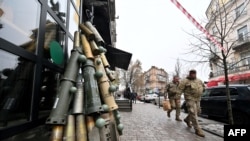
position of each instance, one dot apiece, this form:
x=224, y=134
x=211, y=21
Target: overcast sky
x=153, y=31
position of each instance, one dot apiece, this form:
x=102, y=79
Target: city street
x=148, y=122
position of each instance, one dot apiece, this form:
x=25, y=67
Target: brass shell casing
x=86, y=47
x=104, y=85
x=89, y=34
x=94, y=48
x=69, y=130
x=81, y=129
x=76, y=39
x=104, y=60
x=57, y=133
x=98, y=38
x=90, y=123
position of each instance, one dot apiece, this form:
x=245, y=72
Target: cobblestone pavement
x=148, y=122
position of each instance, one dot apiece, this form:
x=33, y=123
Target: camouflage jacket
x=192, y=88
x=172, y=91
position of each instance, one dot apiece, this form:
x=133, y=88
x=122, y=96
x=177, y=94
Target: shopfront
x=237, y=78
x=35, y=42
x=36, y=38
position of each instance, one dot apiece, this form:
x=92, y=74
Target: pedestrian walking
x=192, y=87
x=127, y=93
x=134, y=96
x=174, y=97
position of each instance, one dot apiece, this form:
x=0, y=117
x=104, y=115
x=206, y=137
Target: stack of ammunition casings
x=85, y=108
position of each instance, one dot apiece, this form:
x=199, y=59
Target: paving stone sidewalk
x=148, y=122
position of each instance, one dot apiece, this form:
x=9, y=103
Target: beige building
x=230, y=18
x=155, y=80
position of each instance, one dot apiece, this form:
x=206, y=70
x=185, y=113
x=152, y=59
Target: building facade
x=156, y=80
x=36, y=39
x=230, y=20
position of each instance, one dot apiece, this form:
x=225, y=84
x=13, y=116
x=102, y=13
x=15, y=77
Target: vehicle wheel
x=240, y=118
x=184, y=107
x=155, y=102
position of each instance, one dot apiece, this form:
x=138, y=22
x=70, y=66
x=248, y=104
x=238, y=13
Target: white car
x=141, y=97
x=150, y=97
x=157, y=101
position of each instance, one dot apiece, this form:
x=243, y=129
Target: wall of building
x=233, y=36
x=30, y=71
x=155, y=79
x=36, y=39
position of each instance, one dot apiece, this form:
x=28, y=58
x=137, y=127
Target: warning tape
x=190, y=17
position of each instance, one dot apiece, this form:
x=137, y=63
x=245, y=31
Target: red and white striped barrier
x=189, y=16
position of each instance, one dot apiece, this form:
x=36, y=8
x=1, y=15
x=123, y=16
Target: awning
x=118, y=58
x=231, y=78
x=240, y=77
x=212, y=83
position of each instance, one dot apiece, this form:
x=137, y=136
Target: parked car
x=141, y=97
x=158, y=99
x=214, y=102
x=184, y=107
x=149, y=97
x=182, y=99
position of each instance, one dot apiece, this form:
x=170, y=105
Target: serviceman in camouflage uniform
x=174, y=97
x=192, y=88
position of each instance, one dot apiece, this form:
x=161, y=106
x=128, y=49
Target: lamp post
x=156, y=90
x=159, y=101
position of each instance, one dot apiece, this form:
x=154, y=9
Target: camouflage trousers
x=175, y=104
x=193, y=108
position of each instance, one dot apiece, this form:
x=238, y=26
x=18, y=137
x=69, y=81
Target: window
x=222, y=92
x=206, y=93
x=19, y=19
x=214, y=30
x=50, y=83
x=240, y=10
x=70, y=46
x=245, y=56
x=214, y=48
x=242, y=33
x=33, y=51
x=161, y=78
x=74, y=20
x=77, y=3
x=218, y=92
x=233, y=64
x=54, y=41
x=233, y=91
x=230, y=65
x=59, y=7
x=16, y=79
x=244, y=91
x=218, y=69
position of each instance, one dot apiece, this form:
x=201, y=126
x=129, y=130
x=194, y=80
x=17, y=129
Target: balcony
x=161, y=78
x=213, y=57
x=147, y=78
x=242, y=42
x=236, y=69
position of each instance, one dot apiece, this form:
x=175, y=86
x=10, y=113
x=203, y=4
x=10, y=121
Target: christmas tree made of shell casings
x=85, y=108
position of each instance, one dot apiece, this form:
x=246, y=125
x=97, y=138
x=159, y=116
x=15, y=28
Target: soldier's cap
x=192, y=71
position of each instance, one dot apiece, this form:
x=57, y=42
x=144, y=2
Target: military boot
x=188, y=123
x=169, y=114
x=199, y=132
x=178, y=119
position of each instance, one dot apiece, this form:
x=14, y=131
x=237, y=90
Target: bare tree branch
x=224, y=23
x=178, y=68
